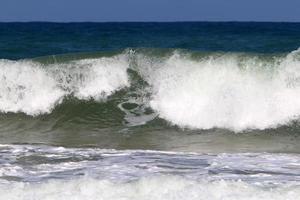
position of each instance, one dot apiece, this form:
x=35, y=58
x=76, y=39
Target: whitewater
x=226, y=90
x=92, y=173
x=189, y=110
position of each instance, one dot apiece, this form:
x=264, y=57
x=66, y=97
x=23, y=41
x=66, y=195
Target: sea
x=150, y=111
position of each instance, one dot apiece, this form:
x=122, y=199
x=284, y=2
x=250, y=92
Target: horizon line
x=183, y=21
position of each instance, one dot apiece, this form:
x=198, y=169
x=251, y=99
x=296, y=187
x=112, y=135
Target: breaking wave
x=33, y=88
x=188, y=89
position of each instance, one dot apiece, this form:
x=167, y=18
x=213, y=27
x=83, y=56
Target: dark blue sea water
x=27, y=40
x=191, y=110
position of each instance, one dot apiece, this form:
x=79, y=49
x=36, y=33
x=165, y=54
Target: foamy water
x=231, y=91
x=194, y=111
x=34, y=89
x=225, y=91
x=156, y=188
x=43, y=172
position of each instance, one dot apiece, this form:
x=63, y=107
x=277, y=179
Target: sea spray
x=33, y=88
x=232, y=91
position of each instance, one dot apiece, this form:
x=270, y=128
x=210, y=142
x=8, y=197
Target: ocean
x=183, y=110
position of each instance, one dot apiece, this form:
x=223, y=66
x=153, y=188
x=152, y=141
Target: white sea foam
x=156, y=188
x=34, y=89
x=227, y=91
x=231, y=91
x=41, y=163
x=26, y=87
x=33, y=172
x=93, y=78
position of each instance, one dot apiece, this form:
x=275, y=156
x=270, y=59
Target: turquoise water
x=111, y=110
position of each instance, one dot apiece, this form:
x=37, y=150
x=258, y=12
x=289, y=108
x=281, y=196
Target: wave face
x=43, y=172
x=188, y=89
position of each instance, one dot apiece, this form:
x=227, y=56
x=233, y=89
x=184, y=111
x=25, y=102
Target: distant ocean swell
x=192, y=90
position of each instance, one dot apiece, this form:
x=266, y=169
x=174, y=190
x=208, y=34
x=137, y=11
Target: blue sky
x=149, y=10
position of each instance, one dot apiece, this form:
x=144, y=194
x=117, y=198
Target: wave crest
x=202, y=91
x=235, y=92
x=33, y=88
